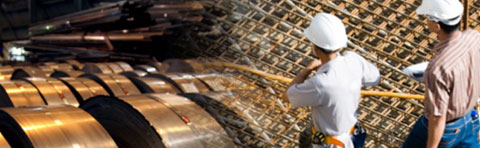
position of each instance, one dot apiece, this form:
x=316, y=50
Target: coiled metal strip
x=84, y=88
x=153, y=85
x=16, y=93
x=66, y=73
x=6, y=72
x=185, y=82
x=53, y=127
x=116, y=85
x=53, y=91
x=125, y=66
x=25, y=72
x=145, y=68
x=97, y=68
x=3, y=142
x=205, y=126
x=114, y=67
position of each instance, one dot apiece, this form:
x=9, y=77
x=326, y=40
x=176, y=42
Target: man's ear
x=437, y=27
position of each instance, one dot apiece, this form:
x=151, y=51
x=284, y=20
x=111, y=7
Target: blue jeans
x=461, y=133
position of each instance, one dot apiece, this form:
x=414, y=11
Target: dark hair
x=325, y=51
x=449, y=28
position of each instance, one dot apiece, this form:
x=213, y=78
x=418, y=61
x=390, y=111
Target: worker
x=334, y=91
x=452, y=81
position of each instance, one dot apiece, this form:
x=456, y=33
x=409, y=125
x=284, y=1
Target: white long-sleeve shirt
x=334, y=92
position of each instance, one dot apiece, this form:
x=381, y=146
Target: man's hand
x=436, y=126
x=314, y=65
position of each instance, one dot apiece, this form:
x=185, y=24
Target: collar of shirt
x=325, y=67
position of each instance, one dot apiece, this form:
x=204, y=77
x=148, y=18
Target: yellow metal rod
x=288, y=80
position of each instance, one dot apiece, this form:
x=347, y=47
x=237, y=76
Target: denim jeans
x=462, y=133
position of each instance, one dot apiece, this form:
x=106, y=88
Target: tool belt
x=320, y=138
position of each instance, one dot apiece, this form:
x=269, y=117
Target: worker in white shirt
x=334, y=91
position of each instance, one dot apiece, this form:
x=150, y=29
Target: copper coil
x=25, y=72
x=52, y=127
x=3, y=142
x=176, y=121
x=134, y=73
x=145, y=68
x=114, y=67
x=6, y=72
x=53, y=91
x=184, y=82
x=84, y=88
x=153, y=85
x=66, y=73
x=97, y=68
x=125, y=66
x=17, y=93
x=75, y=64
x=116, y=85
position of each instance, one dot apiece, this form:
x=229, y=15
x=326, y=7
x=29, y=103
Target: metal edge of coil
x=125, y=66
x=106, y=82
x=66, y=73
x=114, y=67
x=134, y=73
x=16, y=93
x=54, y=92
x=167, y=79
x=80, y=90
x=153, y=85
x=97, y=68
x=146, y=68
x=208, y=130
x=189, y=83
x=25, y=72
x=6, y=72
x=3, y=142
x=61, y=126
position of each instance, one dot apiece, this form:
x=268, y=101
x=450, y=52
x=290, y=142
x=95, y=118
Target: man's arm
x=436, y=126
x=302, y=76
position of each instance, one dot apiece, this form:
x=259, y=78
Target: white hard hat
x=448, y=12
x=327, y=31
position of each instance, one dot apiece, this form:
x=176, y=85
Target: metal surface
x=203, y=125
x=3, y=142
x=145, y=68
x=114, y=67
x=153, y=85
x=53, y=91
x=6, y=72
x=168, y=124
x=185, y=82
x=84, y=88
x=125, y=66
x=221, y=82
x=16, y=93
x=75, y=64
x=66, y=73
x=97, y=68
x=116, y=85
x=28, y=71
x=54, y=127
x=134, y=73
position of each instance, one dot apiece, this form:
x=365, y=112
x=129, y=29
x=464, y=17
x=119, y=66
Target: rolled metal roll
x=84, y=88
x=28, y=71
x=116, y=85
x=145, y=68
x=157, y=65
x=115, y=67
x=125, y=66
x=6, y=72
x=52, y=127
x=204, y=125
x=135, y=73
x=184, y=82
x=130, y=119
x=47, y=69
x=66, y=73
x=75, y=64
x=97, y=68
x=58, y=66
x=153, y=85
x=17, y=93
x=54, y=91
x=3, y=142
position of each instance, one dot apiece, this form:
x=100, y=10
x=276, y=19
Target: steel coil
x=134, y=73
x=116, y=85
x=125, y=66
x=75, y=64
x=17, y=93
x=3, y=142
x=130, y=119
x=53, y=91
x=6, y=72
x=114, y=67
x=84, y=88
x=153, y=85
x=25, y=72
x=97, y=68
x=52, y=127
x=66, y=73
x=145, y=68
x=184, y=82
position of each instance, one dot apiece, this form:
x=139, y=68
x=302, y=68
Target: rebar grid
x=268, y=34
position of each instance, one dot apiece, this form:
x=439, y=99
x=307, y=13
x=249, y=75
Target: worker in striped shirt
x=452, y=81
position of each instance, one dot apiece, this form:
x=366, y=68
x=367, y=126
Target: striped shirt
x=453, y=76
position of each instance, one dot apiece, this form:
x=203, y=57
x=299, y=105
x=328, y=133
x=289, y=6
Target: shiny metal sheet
x=97, y=68
x=85, y=87
x=3, y=142
x=53, y=91
x=67, y=73
x=154, y=85
x=146, y=68
x=117, y=85
x=125, y=66
x=25, y=72
x=60, y=127
x=134, y=73
x=75, y=64
x=128, y=87
x=205, y=126
x=188, y=83
x=6, y=72
x=114, y=67
x=169, y=125
x=20, y=93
